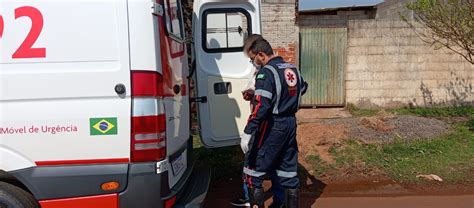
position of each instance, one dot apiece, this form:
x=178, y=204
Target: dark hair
x=261, y=45
x=249, y=41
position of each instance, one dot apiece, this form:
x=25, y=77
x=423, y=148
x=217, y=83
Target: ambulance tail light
x=148, y=136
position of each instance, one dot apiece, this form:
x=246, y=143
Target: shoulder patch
x=261, y=76
x=291, y=78
x=285, y=65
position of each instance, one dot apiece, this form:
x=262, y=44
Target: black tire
x=14, y=197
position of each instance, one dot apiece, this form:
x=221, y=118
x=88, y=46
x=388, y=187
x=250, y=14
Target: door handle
x=176, y=89
x=221, y=88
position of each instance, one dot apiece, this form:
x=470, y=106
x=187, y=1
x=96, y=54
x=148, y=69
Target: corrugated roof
x=329, y=10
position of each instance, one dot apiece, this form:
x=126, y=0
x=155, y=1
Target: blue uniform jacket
x=278, y=89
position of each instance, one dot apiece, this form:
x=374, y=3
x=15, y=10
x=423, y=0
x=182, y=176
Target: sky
x=318, y=4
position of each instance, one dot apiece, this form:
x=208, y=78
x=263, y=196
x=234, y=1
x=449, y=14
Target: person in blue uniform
x=248, y=94
x=269, y=142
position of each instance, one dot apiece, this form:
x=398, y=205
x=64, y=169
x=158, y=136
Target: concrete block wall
x=389, y=66
x=338, y=20
x=279, y=27
x=391, y=9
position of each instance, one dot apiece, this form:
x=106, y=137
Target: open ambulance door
x=222, y=70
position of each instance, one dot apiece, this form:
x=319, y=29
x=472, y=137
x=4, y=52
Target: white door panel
x=228, y=112
x=220, y=28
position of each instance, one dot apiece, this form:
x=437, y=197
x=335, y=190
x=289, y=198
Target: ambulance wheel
x=14, y=197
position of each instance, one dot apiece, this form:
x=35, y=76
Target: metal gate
x=322, y=63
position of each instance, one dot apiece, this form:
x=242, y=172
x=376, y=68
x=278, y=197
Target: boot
x=291, y=198
x=256, y=197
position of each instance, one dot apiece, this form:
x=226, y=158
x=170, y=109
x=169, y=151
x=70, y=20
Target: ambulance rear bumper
x=148, y=189
x=140, y=185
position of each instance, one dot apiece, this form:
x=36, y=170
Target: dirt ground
x=320, y=129
x=318, y=132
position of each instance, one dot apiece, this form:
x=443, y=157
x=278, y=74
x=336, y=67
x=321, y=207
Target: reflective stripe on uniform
x=301, y=88
x=277, y=86
x=264, y=93
x=285, y=174
x=253, y=172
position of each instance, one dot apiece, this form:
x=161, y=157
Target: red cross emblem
x=290, y=77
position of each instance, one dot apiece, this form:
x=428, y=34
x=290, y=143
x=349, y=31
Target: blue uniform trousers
x=273, y=148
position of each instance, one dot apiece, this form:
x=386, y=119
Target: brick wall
x=279, y=27
x=389, y=66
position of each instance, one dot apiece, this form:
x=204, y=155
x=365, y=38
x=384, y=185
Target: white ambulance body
x=95, y=105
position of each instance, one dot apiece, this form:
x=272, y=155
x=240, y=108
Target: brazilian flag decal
x=103, y=126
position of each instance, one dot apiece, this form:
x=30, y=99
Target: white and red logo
x=291, y=78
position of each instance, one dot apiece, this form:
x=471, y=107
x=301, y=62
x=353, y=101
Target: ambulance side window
x=225, y=30
x=174, y=19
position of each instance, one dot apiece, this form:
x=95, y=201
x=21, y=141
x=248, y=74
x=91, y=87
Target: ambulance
x=95, y=99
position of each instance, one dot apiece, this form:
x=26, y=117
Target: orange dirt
x=316, y=139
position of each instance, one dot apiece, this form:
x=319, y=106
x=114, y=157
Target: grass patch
x=470, y=124
x=451, y=157
x=436, y=112
x=225, y=162
x=319, y=165
x=358, y=112
x=347, y=156
x=463, y=111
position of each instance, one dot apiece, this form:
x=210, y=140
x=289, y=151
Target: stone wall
x=279, y=27
x=389, y=66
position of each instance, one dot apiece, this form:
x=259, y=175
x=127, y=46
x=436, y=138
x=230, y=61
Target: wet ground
x=362, y=195
x=393, y=202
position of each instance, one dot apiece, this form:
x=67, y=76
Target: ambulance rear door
x=222, y=70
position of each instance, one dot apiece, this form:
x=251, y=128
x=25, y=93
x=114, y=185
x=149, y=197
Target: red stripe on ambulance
x=82, y=162
x=102, y=201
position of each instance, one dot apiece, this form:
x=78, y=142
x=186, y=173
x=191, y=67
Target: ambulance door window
x=174, y=19
x=225, y=30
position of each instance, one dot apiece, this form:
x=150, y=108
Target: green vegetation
x=319, y=165
x=448, y=24
x=358, y=112
x=451, y=157
x=463, y=111
x=225, y=163
x=436, y=112
x=347, y=157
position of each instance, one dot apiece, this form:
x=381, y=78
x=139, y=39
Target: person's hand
x=248, y=94
x=244, y=142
